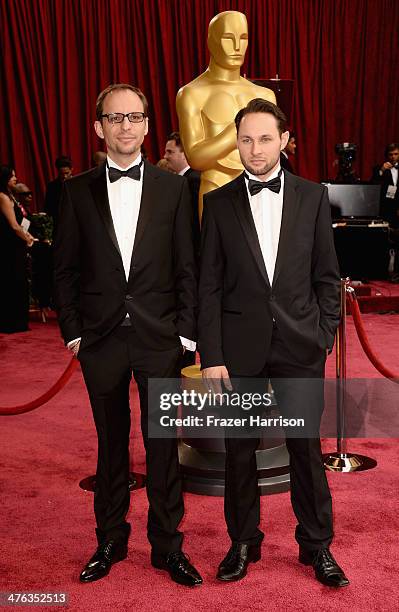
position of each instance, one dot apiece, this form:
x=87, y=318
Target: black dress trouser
x=107, y=368
x=310, y=494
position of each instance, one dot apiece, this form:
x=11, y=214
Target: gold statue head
x=228, y=39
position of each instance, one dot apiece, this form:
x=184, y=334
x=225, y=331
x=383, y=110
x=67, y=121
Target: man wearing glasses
x=126, y=296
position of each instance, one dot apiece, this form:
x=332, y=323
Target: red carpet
x=47, y=529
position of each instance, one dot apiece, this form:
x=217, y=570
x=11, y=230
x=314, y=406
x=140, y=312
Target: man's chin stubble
x=129, y=152
x=259, y=171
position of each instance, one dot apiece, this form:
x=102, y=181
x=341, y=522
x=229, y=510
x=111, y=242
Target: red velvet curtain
x=56, y=55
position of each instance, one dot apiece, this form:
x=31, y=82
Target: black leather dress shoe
x=327, y=570
x=106, y=555
x=178, y=566
x=234, y=565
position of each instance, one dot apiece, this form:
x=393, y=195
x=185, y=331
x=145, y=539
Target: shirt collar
x=183, y=172
x=269, y=178
x=136, y=162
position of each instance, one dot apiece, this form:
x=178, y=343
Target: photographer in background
x=386, y=175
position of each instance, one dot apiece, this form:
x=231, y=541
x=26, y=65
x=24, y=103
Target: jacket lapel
x=244, y=214
x=290, y=207
x=98, y=187
x=150, y=195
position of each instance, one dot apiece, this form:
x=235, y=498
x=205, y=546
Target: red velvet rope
x=66, y=375
x=361, y=332
x=45, y=397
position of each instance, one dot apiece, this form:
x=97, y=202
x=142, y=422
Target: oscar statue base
x=202, y=460
x=202, y=469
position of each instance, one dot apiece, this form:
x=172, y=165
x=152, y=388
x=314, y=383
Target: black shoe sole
x=332, y=584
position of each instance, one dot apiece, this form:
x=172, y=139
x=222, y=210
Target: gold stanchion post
x=342, y=461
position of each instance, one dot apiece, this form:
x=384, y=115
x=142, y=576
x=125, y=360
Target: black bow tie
x=257, y=186
x=134, y=173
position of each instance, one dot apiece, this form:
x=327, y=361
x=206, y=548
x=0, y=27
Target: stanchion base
x=136, y=481
x=347, y=462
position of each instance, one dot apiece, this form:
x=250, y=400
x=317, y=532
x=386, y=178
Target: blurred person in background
x=386, y=175
x=41, y=268
x=99, y=157
x=14, y=239
x=54, y=188
x=24, y=197
x=288, y=153
x=177, y=162
x=163, y=164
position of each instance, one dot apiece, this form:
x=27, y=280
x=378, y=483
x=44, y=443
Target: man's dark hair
x=391, y=147
x=115, y=87
x=5, y=175
x=176, y=137
x=259, y=105
x=63, y=161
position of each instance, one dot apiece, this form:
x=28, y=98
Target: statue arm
x=202, y=151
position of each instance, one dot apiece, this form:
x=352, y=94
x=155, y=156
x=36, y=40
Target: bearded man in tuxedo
x=269, y=308
x=126, y=297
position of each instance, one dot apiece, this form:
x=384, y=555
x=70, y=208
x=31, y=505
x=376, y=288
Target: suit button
x=129, y=297
x=272, y=298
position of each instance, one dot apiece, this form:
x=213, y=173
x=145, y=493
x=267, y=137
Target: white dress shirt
x=394, y=172
x=267, y=211
x=124, y=196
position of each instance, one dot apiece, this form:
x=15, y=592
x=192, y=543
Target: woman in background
x=14, y=300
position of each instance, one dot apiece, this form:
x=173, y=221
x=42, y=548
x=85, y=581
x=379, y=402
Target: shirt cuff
x=72, y=343
x=190, y=345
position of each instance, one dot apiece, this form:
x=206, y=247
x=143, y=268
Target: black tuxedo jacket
x=53, y=198
x=92, y=293
x=194, y=183
x=237, y=302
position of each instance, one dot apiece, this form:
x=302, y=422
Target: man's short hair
x=259, y=105
x=176, y=137
x=63, y=161
x=391, y=147
x=115, y=87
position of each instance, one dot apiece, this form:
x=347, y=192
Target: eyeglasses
x=119, y=117
x=25, y=193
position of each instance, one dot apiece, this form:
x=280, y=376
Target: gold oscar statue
x=206, y=107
